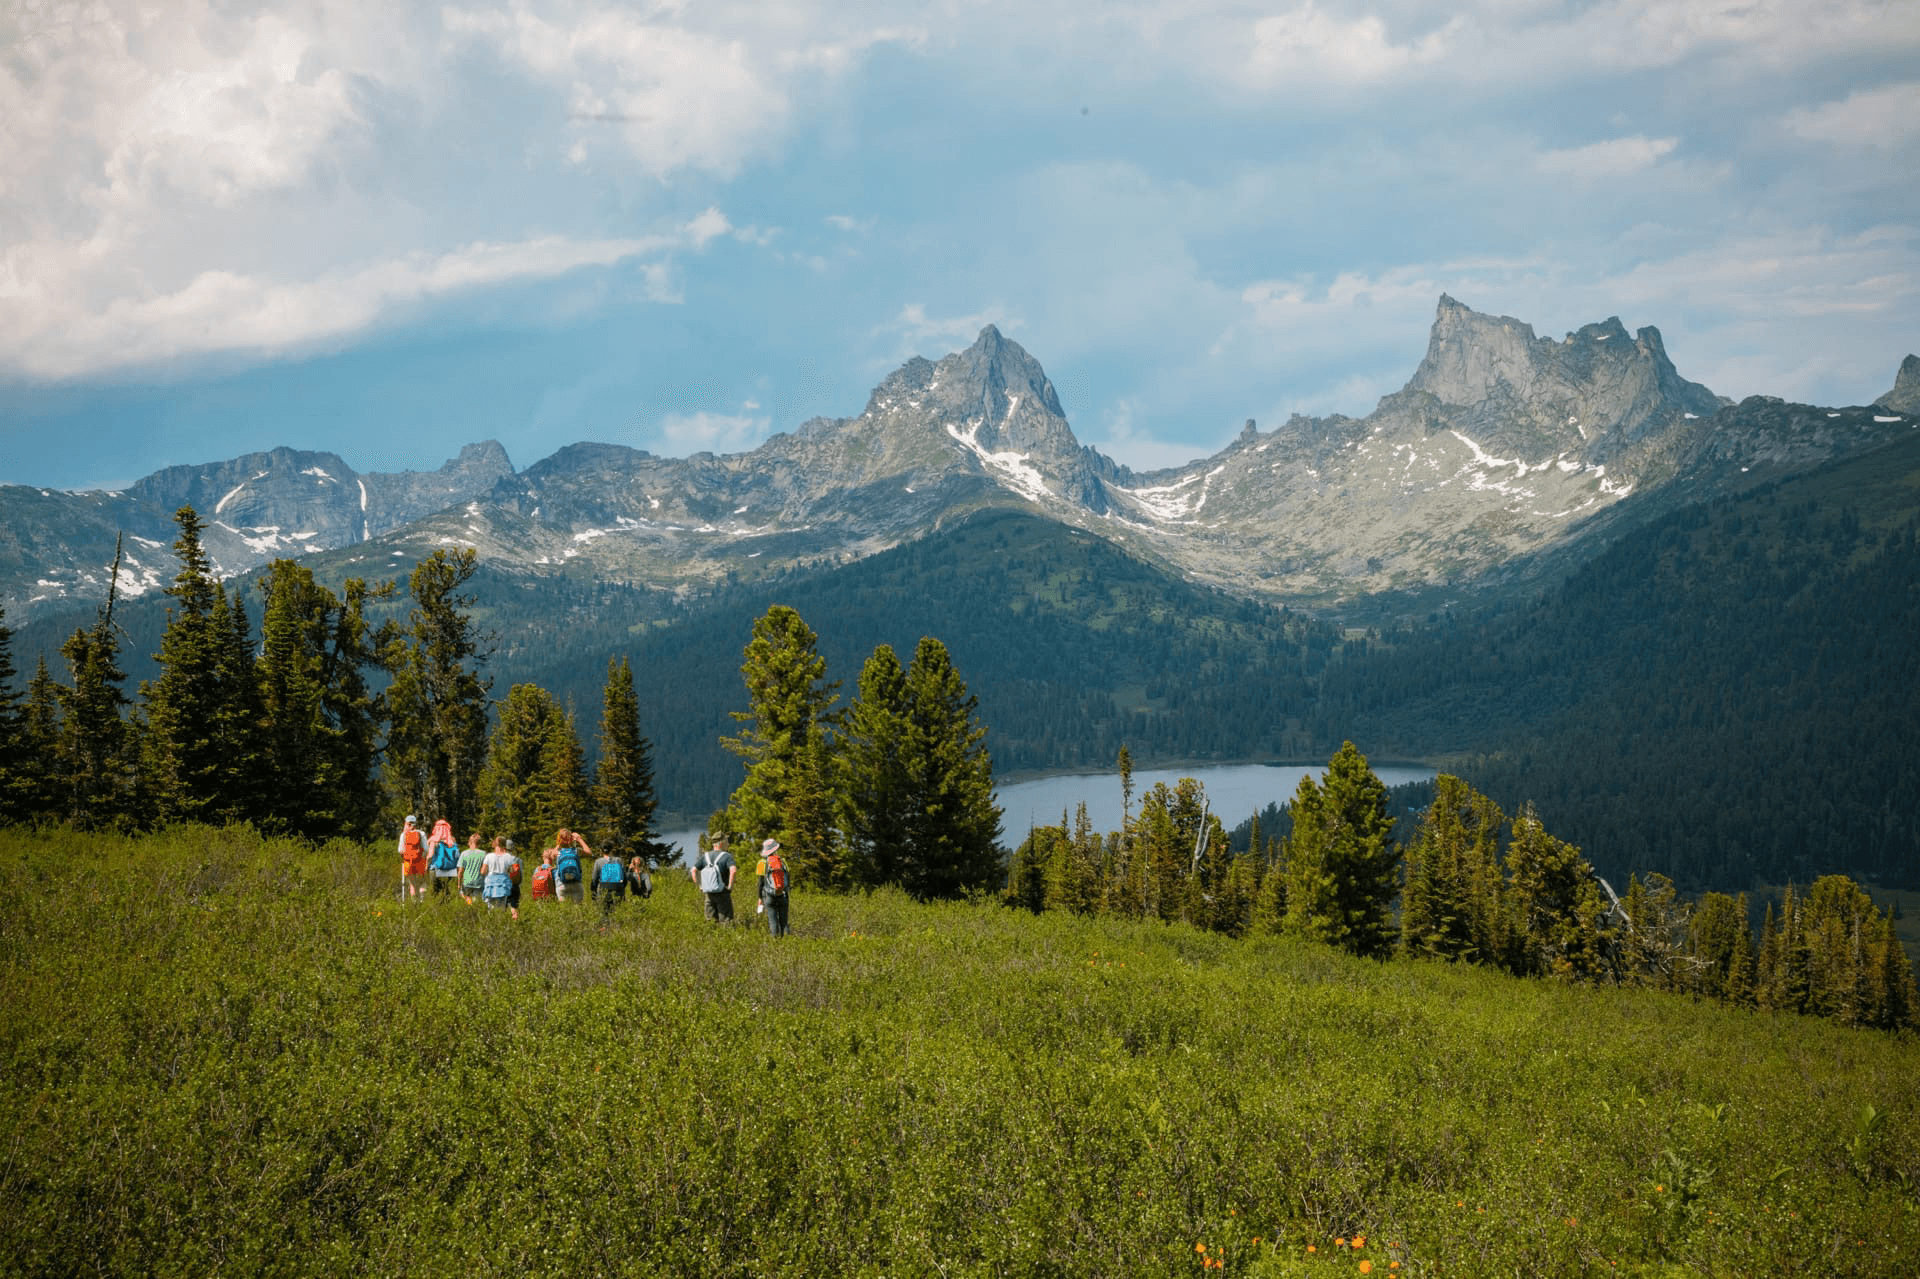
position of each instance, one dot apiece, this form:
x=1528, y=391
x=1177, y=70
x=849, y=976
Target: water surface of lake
x=1234, y=793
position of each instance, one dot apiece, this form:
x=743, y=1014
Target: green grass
x=227, y=1056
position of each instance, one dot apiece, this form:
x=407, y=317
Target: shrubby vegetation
x=236, y=1055
x=1470, y=886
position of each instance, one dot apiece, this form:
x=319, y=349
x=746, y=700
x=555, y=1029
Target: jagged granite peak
x=1592, y=395
x=1905, y=395
x=255, y=508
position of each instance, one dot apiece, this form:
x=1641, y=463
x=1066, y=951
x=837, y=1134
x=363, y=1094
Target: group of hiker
x=568, y=871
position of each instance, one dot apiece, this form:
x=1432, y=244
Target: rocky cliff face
x=1905, y=395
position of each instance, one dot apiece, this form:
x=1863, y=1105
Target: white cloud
x=916, y=326
x=1613, y=158
x=713, y=432
x=1310, y=43
x=1885, y=118
x=46, y=333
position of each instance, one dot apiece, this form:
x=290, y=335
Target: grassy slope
x=228, y=1057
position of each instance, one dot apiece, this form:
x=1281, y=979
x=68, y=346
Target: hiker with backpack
x=639, y=877
x=501, y=882
x=543, y=876
x=472, y=870
x=413, y=861
x=570, y=867
x=443, y=857
x=713, y=871
x=774, y=883
x=609, y=884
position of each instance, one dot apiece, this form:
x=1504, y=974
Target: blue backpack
x=612, y=874
x=446, y=856
x=569, y=867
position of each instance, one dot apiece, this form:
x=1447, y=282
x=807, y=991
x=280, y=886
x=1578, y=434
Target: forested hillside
x=1727, y=696
x=1730, y=695
x=1072, y=647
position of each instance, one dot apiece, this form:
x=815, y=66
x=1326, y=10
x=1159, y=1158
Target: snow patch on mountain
x=1012, y=469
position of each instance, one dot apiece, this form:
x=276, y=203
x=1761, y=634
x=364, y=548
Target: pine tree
x=320, y=732
x=812, y=847
x=1720, y=948
x=1312, y=904
x=437, y=702
x=184, y=750
x=787, y=702
x=1343, y=888
x=953, y=825
x=1451, y=905
x=1550, y=908
x=93, y=770
x=1027, y=868
x=14, y=784
x=874, y=778
x=239, y=714
x=39, y=746
x=623, y=795
x=1270, y=901
x=515, y=794
x=563, y=776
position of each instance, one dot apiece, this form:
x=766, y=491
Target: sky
x=387, y=230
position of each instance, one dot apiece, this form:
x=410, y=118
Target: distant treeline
x=1470, y=885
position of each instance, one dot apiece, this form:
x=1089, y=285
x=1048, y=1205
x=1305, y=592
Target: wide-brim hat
x=769, y=846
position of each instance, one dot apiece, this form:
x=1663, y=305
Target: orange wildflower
x=1366, y=1267
x=1199, y=1247
x=1359, y=1241
x=1340, y=1242
x=1311, y=1248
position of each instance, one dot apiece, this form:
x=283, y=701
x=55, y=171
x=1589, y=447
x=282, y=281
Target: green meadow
x=227, y=1055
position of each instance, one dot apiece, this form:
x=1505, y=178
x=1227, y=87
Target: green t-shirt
x=470, y=872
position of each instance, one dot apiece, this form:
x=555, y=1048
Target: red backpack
x=543, y=880
x=776, y=875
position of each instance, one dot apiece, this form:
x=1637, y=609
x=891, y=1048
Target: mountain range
x=1507, y=457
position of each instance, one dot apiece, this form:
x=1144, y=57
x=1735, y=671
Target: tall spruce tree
x=953, y=825
x=788, y=697
x=873, y=775
x=185, y=750
x=14, y=785
x=563, y=775
x=39, y=746
x=515, y=792
x=1720, y=949
x=437, y=702
x=1450, y=907
x=623, y=795
x=1342, y=888
x=94, y=768
x=320, y=731
x=1551, y=898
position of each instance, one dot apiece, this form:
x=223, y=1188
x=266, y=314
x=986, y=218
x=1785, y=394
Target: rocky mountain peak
x=1905, y=395
x=1593, y=394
